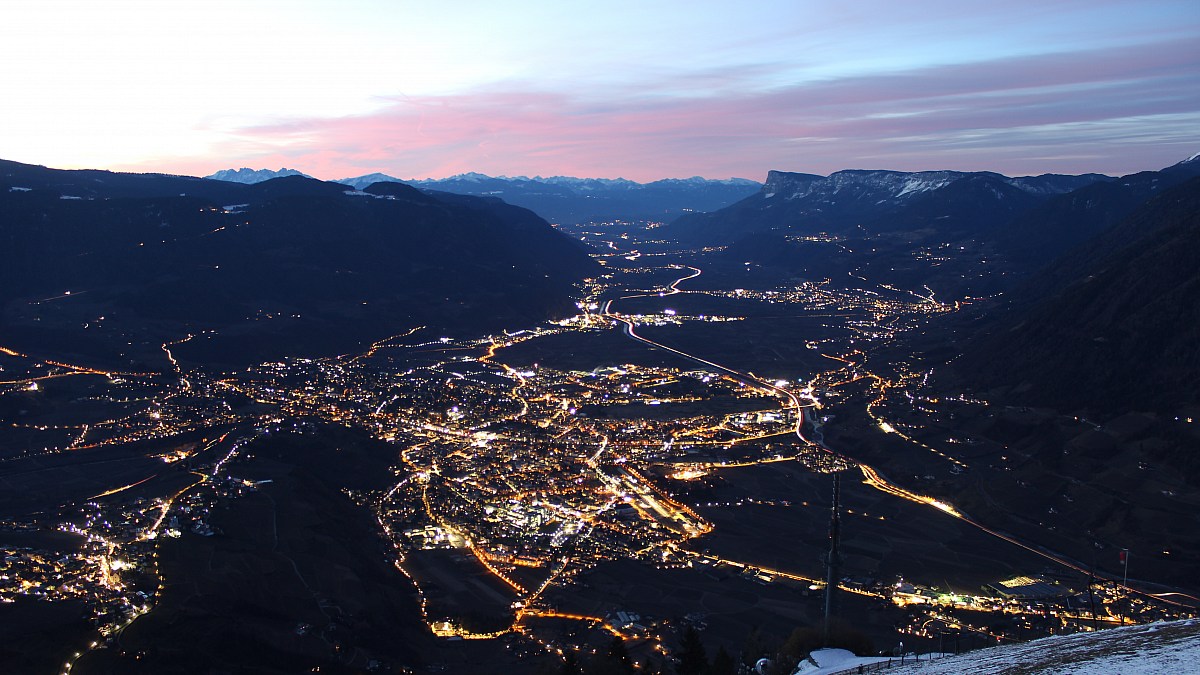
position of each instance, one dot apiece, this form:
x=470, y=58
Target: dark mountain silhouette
x=903, y=240
x=292, y=186
x=972, y=206
x=1089, y=368
x=285, y=266
x=560, y=199
x=1116, y=323
x=1062, y=222
x=941, y=203
x=96, y=184
x=899, y=228
x=567, y=200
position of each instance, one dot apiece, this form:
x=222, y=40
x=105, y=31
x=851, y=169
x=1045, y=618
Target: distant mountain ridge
x=568, y=181
x=565, y=199
x=569, y=200
x=1066, y=220
x=896, y=185
x=878, y=200
x=363, y=181
x=249, y=176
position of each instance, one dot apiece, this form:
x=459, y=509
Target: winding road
x=871, y=476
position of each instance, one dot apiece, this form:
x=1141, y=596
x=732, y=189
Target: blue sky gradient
x=632, y=89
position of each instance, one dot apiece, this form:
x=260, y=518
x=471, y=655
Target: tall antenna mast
x=833, y=559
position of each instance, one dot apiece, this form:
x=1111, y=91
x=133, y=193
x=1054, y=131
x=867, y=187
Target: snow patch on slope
x=1156, y=649
x=916, y=185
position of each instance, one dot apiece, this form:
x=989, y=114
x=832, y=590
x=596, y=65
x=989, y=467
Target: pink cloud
x=1115, y=110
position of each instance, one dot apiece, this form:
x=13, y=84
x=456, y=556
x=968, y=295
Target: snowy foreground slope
x=1168, y=647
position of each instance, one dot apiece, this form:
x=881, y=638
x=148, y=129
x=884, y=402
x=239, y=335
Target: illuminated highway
x=871, y=476
x=529, y=476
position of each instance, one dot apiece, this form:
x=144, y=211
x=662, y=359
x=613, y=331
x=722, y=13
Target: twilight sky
x=642, y=89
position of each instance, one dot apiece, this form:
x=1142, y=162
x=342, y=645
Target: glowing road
x=871, y=476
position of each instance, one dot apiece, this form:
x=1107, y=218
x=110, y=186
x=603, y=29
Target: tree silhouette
x=722, y=664
x=692, y=659
x=756, y=647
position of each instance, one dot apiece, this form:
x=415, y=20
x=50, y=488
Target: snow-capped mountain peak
x=880, y=186
x=245, y=175
x=360, y=182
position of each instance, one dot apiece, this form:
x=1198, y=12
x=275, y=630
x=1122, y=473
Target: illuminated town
x=516, y=481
